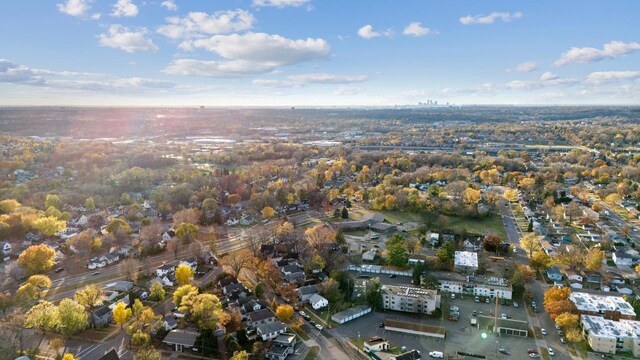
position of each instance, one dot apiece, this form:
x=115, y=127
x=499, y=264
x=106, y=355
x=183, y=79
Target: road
x=537, y=289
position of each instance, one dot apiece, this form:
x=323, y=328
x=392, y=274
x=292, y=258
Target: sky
x=318, y=52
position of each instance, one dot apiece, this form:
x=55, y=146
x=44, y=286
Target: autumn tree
x=568, y=320
x=73, y=317
x=183, y=291
x=157, y=292
x=285, y=313
x=121, y=314
x=37, y=259
x=593, y=259
x=268, y=212
x=556, y=301
x=43, y=316
x=511, y=195
x=539, y=261
x=53, y=200
x=147, y=353
x=129, y=269
x=238, y=261
x=89, y=204
x=118, y=225
x=530, y=243
x=574, y=335
x=471, y=197
x=240, y=355
x=187, y=232
x=184, y=274
x=8, y=206
x=68, y=356
x=140, y=339
x=91, y=296
x=319, y=235
x=613, y=199
x=186, y=216
x=206, y=311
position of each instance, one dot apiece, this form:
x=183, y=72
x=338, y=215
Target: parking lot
x=461, y=335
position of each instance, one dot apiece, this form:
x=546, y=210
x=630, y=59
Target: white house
x=622, y=258
x=82, y=221
x=318, y=302
x=166, y=237
x=96, y=263
x=110, y=258
x=191, y=263
x=271, y=330
x=6, y=247
x=165, y=270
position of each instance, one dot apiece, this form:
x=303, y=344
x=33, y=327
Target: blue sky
x=318, y=52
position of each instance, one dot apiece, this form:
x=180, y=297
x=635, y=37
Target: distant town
x=430, y=231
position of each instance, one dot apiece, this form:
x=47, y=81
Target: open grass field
x=492, y=223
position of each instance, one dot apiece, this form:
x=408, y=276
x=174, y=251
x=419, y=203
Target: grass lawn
x=400, y=217
x=359, y=343
x=491, y=223
x=313, y=353
x=301, y=333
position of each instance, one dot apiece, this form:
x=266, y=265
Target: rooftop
x=466, y=258
x=601, y=303
x=350, y=312
x=409, y=291
x=181, y=337
x=414, y=326
x=602, y=327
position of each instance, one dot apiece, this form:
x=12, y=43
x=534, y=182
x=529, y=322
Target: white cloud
x=280, y=3
x=600, y=77
x=169, y=5
x=20, y=74
x=198, y=24
x=528, y=66
x=96, y=16
x=221, y=69
x=610, y=50
x=124, y=8
x=121, y=37
x=315, y=78
x=75, y=7
x=416, y=29
x=490, y=19
x=367, y=32
x=548, y=75
x=253, y=53
x=347, y=90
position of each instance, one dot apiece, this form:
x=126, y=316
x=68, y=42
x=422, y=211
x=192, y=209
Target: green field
x=491, y=223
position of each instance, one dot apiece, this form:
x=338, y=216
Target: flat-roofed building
x=473, y=285
x=410, y=299
x=607, y=306
x=610, y=336
x=465, y=261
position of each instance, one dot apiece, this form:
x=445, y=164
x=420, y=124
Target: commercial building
x=607, y=306
x=503, y=326
x=611, y=336
x=415, y=328
x=465, y=261
x=473, y=285
x=409, y=299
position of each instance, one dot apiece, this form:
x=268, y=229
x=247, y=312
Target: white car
x=543, y=331
x=302, y=313
x=318, y=326
x=550, y=350
x=504, y=316
x=557, y=327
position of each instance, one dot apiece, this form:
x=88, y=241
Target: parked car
x=487, y=300
x=543, y=331
x=504, y=351
x=381, y=325
x=59, y=269
x=318, y=326
x=503, y=316
x=563, y=340
x=515, y=304
x=550, y=350
x=534, y=355
x=557, y=326
x=392, y=276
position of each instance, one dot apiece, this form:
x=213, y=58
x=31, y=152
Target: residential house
x=120, y=286
x=6, y=247
x=181, y=339
x=111, y=355
x=96, y=263
x=573, y=276
x=248, y=305
x=124, y=250
x=168, y=280
x=554, y=274
x=472, y=244
x=271, y=330
x=247, y=220
x=102, y=316
x=169, y=323
x=594, y=279
x=260, y=317
x=191, y=263
x=622, y=259
x=305, y=292
x=318, y=302
x=165, y=270
x=416, y=258
x=283, y=345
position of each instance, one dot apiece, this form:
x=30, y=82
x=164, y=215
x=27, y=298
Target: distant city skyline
x=318, y=52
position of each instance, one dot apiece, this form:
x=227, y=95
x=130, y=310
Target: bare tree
x=238, y=261
x=129, y=269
